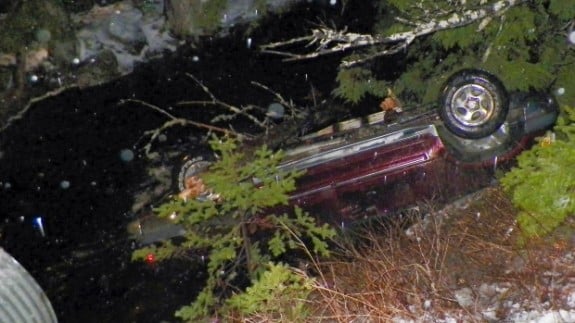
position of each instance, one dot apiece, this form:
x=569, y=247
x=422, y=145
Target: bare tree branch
x=331, y=41
x=31, y=103
x=295, y=111
x=215, y=101
x=174, y=121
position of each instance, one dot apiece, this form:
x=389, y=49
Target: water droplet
x=249, y=42
x=333, y=2
x=64, y=184
x=126, y=155
x=275, y=111
x=43, y=35
x=195, y=58
x=34, y=78
x=7, y=185
x=560, y=91
x=76, y=61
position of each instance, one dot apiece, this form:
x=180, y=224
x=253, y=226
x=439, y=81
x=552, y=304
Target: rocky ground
x=462, y=263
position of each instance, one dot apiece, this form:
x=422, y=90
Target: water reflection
x=40, y=225
x=66, y=181
x=69, y=172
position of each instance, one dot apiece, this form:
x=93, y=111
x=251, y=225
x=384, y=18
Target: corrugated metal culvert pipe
x=21, y=298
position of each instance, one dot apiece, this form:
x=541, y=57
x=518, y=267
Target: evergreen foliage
x=526, y=47
x=542, y=186
x=355, y=83
x=240, y=233
x=280, y=289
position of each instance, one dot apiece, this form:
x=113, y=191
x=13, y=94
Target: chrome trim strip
x=356, y=147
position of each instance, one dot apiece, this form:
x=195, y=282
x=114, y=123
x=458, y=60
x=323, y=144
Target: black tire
x=474, y=104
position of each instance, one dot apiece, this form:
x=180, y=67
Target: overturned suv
x=374, y=166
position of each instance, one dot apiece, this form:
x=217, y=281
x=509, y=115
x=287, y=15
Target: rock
x=93, y=47
x=464, y=297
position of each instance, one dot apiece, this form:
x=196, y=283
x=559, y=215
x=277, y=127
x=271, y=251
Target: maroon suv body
x=382, y=166
x=412, y=161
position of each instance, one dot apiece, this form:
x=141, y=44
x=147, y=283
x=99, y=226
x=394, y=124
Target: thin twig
x=216, y=101
x=294, y=110
x=175, y=121
x=31, y=102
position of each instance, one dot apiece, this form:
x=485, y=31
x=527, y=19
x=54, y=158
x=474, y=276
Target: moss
x=210, y=15
x=24, y=21
x=21, y=26
x=191, y=18
x=6, y=78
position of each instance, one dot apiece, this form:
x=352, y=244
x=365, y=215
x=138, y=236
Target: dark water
x=61, y=163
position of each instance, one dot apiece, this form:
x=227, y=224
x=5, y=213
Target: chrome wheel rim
x=189, y=169
x=472, y=105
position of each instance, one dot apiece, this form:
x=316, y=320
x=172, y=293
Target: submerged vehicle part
x=21, y=298
x=151, y=228
x=379, y=168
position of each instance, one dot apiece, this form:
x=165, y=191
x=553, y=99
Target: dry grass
x=422, y=274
